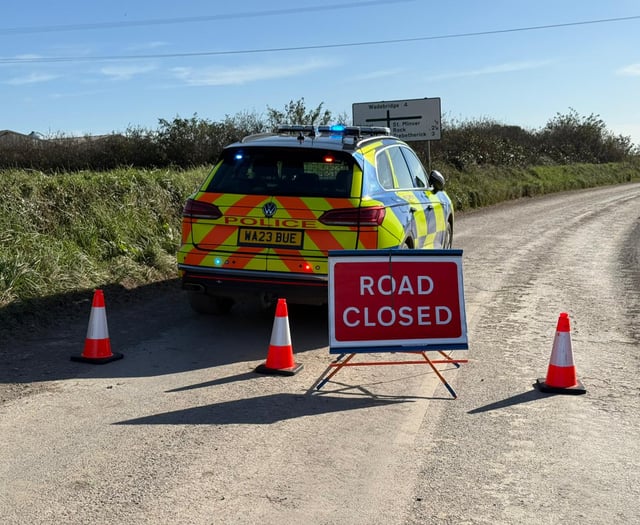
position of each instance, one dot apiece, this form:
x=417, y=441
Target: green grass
x=494, y=184
x=65, y=233
x=74, y=231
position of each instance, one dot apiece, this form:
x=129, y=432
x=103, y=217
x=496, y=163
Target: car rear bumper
x=294, y=287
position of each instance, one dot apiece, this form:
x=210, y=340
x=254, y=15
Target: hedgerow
x=191, y=142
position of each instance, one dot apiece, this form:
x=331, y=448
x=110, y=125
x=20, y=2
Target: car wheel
x=447, y=242
x=208, y=305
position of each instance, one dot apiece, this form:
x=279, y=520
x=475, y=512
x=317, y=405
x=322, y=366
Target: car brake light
x=201, y=210
x=371, y=216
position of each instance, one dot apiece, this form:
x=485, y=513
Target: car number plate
x=270, y=238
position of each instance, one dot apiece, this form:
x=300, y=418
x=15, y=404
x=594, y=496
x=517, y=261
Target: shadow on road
x=216, y=382
x=525, y=397
x=263, y=410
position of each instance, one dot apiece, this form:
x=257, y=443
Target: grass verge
x=72, y=232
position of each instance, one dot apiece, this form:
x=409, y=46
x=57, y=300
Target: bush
x=191, y=142
x=570, y=138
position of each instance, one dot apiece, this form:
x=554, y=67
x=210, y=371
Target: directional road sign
x=409, y=120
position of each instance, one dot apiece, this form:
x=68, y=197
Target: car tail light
x=371, y=216
x=201, y=210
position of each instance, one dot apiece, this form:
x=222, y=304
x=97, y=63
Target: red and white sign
x=396, y=300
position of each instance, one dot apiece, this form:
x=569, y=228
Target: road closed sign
x=396, y=300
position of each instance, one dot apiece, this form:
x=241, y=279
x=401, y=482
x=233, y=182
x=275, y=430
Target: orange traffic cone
x=97, y=347
x=561, y=374
x=280, y=356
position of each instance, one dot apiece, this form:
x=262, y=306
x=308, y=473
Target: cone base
x=97, y=360
x=263, y=369
x=577, y=389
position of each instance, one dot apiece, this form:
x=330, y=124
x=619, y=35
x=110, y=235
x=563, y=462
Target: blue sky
x=219, y=58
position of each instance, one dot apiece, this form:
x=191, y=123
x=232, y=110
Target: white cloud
x=32, y=78
x=212, y=76
x=508, y=67
x=125, y=72
x=632, y=70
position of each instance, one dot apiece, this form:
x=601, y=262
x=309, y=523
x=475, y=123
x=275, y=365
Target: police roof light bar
x=354, y=131
x=373, y=130
x=288, y=128
x=347, y=131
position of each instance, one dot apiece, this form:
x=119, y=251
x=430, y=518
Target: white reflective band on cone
x=98, y=324
x=280, y=335
x=562, y=354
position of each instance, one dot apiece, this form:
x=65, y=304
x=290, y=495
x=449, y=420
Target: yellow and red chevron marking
x=186, y=230
x=216, y=236
x=245, y=205
x=319, y=239
x=243, y=202
x=239, y=259
x=293, y=262
x=296, y=204
x=368, y=240
x=194, y=257
x=325, y=240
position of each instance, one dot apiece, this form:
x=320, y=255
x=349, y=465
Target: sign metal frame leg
x=341, y=362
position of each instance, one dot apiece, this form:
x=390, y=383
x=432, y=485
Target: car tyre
x=447, y=242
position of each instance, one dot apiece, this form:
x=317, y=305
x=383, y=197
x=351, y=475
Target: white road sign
x=409, y=120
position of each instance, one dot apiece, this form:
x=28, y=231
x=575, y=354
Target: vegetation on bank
x=72, y=218
x=74, y=231
x=493, y=184
x=78, y=231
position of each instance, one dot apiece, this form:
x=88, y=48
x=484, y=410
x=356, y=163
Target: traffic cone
x=561, y=374
x=280, y=356
x=97, y=347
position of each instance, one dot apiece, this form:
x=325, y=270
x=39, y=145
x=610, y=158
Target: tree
x=242, y=124
x=296, y=112
x=573, y=138
x=189, y=142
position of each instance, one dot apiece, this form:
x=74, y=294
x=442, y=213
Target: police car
x=275, y=204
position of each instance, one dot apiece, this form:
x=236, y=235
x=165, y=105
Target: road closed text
x=404, y=316
x=387, y=285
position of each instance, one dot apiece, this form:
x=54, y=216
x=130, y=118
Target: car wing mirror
x=436, y=180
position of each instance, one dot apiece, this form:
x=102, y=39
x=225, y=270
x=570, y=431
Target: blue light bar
x=354, y=131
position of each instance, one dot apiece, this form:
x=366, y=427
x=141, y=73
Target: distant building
x=13, y=138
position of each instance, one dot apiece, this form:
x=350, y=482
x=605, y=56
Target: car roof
x=320, y=137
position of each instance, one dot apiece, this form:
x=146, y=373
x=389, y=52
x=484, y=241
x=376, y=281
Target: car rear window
x=284, y=171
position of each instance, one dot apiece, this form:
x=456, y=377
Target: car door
x=433, y=211
x=405, y=189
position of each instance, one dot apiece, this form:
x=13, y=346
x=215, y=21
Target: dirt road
x=182, y=431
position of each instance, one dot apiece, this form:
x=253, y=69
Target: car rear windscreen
x=284, y=171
